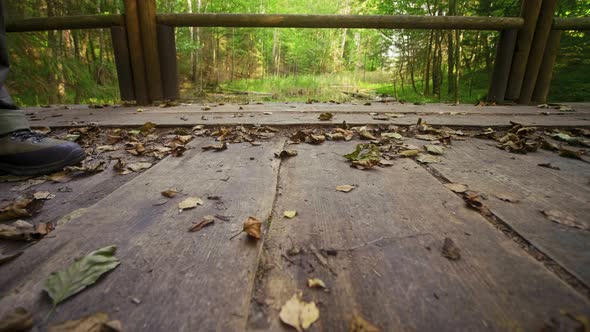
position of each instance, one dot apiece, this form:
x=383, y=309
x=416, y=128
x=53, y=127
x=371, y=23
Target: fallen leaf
x=98, y=322
x=359, y=324
x=61, y=177
x=391, y=135
x=457, y=187
x=565, y=219
x=286, y=154
x=207, y=220
x=315, y=139
x=345, y=188
x=43, y=195
x=28, y=184
x=80, y=274
x=316, y=283
x=434, y=149
x=43, y=229
x=89, y=168
x=170, y=192
x=385, y=163
x=290, y=214
x=136, y=167
x=14, y=233
x=365, y=134
x=252, y=227
x=216, y=147
x=428, y=159
x=20, y=208
x=566, y=153
x=190, y=203
x=450, y=250
x=19, y=320
x=298, y=313
x=106, y=148
x=326, y=116
x=426, y=137
x=147, y=128
x=364, y=156
x=409, y=153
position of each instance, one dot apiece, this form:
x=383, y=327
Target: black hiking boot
x=24, y=152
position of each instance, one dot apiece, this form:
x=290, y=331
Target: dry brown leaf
x=298, y=313
x=316, y=283
x=20, y=208
x=98, y=322
x=12, y=232
x=457, y=187
x=207, y=220
x=170, y=192
x=252, y=227
x=410, y=153
x=428, y=159
x=43, y=195
x=61, y=177
x=365, y=134
x=190, y=203
x=19, y=320
x=565, y=219
x=326, y=116
x=148, y=128
x=136, y=167
x=216, y=147
x=43, y=229
x=359, y=324
x=450, y=250
x=286, y=154
x=345, y=188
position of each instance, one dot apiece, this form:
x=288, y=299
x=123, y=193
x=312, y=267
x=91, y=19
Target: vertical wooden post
x=530, y=12
x=136, y=52
x=123, y=63
x=149, y=39
x=502, y=64
x=537, y=50
x=169, y=68
x=546, y=71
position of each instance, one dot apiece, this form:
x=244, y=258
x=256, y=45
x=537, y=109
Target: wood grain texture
x=185, y=281
x=395, y=276
x=486, y=169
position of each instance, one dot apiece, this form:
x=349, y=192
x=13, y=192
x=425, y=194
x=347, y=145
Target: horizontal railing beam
x=571, y=23
x=341, y=21
x=65, y=23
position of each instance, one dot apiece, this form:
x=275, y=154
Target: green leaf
x=79, y=275
x=365, y=155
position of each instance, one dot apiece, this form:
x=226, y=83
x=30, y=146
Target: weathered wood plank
x=185, y=281
x=486, y=169
x=394, y=275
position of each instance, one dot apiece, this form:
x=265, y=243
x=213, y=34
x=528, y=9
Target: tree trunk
x=428, y=61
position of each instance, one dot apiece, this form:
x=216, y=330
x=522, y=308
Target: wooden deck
x=377, y=248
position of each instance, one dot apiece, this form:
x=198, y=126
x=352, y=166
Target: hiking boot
x=24, y=152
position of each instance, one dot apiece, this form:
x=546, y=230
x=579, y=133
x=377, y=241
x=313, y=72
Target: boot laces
x=26, y=134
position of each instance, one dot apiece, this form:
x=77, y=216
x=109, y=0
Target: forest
x=77, y=66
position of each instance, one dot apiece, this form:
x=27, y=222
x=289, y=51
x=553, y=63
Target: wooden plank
x=393, y=273
x=537, y=51
x=149, y=41
x=485, y=168
x=341, y=21
x=168, y=63
x=502, y=64
x=168, y=117
x=185, y=281
x=530, y=12
x=123, y=62
x=65, y=23
x=546, y=70
x=136, y=52
x=571, y=23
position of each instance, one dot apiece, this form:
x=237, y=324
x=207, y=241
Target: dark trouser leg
x=11, y=118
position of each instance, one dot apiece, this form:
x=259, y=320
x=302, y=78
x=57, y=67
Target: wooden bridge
x=472, y=218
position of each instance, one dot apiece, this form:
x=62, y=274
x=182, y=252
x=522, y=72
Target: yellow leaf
x=190, y=203
x=316, y=283
x=298, y=313
x=345, y=188
x=290, y=214
x=170, y=192
x=409, y=153
x=359, y=324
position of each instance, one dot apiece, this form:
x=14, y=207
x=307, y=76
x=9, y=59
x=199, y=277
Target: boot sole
x=74, y=157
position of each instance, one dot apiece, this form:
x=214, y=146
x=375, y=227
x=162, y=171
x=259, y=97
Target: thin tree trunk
x=459, y=39
x=427, y=70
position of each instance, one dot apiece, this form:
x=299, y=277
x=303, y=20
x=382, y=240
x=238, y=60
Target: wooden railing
x=145, y=47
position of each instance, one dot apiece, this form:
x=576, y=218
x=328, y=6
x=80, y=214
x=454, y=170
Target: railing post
x=546, y=71
x=502, y=64
x=123, y=63
x=537, y=50
x=530, y=12
x=168, y=64
x=149, y=39
x=136, y=52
